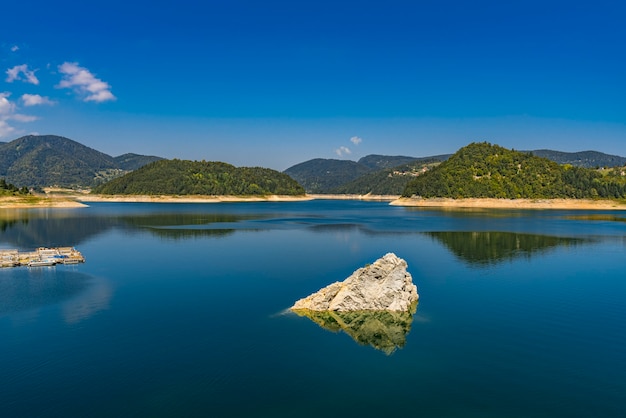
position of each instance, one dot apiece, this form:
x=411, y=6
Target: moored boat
x=42, y=263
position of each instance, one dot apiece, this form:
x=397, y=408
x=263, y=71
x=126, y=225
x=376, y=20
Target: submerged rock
x=384, y=285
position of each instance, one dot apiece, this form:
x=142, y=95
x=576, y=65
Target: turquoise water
x=180, y=311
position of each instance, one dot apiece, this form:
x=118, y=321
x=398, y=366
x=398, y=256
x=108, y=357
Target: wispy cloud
x=6, y=106
x=35, y=99
x=341, y=151
x=8, y=112
x=356, y=140
x=83, y=82
x=15, y=48
x=5, y=129
x=21, y=73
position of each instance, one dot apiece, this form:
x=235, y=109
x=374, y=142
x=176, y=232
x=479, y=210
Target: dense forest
x=183, y=177
x=490, y=171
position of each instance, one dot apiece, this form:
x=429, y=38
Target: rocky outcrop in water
x=384, y=285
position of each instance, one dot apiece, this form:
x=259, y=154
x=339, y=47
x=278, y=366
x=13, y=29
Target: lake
x=181, y=310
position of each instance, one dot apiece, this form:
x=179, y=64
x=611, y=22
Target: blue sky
x=275, y=83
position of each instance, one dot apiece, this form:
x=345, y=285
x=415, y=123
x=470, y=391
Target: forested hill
x=183, y=177
x=485, y=170
x=50, y=160
x=321, y=175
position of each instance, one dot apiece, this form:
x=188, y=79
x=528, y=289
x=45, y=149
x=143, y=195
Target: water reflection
x=94, y=299
x=79, y=295
x=488, y=248
x=382, y=330
x=31, y=229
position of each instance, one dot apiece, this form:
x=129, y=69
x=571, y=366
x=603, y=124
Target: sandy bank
x=38, y=202
x=568, y=204
x=372, y=197
x=189, y=199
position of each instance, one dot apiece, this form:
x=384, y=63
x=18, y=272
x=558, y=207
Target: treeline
x=8, y=189
x=482, y=170
x=183, y=177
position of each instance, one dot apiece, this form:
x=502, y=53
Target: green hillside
x=390, y=181
x=182, y=177
x=50, y=160
x=322, y=175
x=491, y=171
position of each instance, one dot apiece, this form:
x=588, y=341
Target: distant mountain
x=50, y=160
x=321, y=175
x=483, y=170
x=587, y=159
x=183, y=177
x=380, y=162
x=371, y=174
x=389, y=181
x=131, y=161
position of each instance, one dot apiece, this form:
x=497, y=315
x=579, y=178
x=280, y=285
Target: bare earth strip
x=189, y=199
x=38, y=202
x=82, y=200
x=573, y=204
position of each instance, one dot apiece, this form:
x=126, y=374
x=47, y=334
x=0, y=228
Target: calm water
x=180, y=311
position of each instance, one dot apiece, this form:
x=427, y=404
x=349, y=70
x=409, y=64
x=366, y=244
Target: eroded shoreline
x=484, y=203
x=83, y=200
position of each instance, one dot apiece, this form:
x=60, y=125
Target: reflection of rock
x=382, y=286
x=383, y=330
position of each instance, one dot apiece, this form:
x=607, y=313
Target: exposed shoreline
x=190, y=199
x=39, y=202
x=83, y=200
x=484, y=203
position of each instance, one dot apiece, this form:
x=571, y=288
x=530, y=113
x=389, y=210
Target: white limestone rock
x=384, y=285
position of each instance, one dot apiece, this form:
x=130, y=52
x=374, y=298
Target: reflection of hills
x=183, y=225
x=484, y=248
x=383, y=330
x=31, y=229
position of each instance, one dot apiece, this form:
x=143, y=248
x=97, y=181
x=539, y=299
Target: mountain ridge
x=52, y=160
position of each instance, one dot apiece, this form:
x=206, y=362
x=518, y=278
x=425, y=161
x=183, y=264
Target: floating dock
x=42, y=256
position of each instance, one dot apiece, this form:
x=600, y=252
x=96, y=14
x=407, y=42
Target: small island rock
x=384, y=285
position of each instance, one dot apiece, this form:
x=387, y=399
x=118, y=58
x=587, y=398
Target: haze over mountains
x=50, y=160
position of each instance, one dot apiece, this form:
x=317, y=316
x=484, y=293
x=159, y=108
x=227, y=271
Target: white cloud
x=83, y=82
x=23, y=118
x=8, y=112
x=6, y=106
x=356, y=140
x=14, y=48
x=343, y=151
x=21, y=73
x=5, y=129
x=35, y=99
